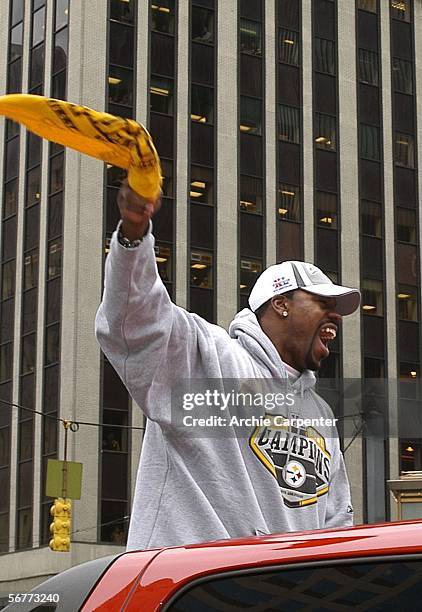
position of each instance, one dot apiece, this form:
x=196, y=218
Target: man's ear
x=280, y=304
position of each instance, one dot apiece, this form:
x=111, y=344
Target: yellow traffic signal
x=60, y=527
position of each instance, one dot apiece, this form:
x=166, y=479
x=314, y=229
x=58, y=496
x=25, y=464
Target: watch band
x=125, y=242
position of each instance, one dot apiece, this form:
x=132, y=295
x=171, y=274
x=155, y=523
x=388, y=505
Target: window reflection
x=33, y=186
x=54, y=258
x=202, y=25
x=372, y=297
x=162, y=16
x=62, y=13
x=289, y=202
x=250, y=194
x=324, y=56
x=120, y=90
x=38, y=26
x=404, y=154
x=28, y=353
x=289, y=123
x=370, y=142
x=167, y=172
x=407, y=303
x=325, y=132
x=52, y=344
x=250, y=37
x=31, y=270
x=202, y=104
x=371, y=221
x=402, y=75
x=201, y=185
x=406, y=225
x=10, y=198
x=56, y=174
x=16, y=42
x=326, y=209
x=60, y=50
x=368, y=67
x=368, y=5
x=250, y=115
x=163, y=257
x=400, y=9
x=288, y=47
x=201, y=269
x=250, y=269
x=161, y=95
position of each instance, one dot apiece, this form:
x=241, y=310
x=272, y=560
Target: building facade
x=287, y=129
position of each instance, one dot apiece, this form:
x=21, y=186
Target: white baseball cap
x=291, y=275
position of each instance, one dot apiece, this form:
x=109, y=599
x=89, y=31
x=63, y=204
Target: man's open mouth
x=327, y=333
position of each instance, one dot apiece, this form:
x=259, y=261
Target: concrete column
x=389, y=243
x=349, y=219
x=270, y=79
x=227, y=162
x=82, y=261
x=308, y=139
x=182, y=170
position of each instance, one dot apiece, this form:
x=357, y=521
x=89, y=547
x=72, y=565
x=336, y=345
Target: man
x=199, y=488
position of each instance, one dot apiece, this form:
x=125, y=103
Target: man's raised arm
x=137, y=325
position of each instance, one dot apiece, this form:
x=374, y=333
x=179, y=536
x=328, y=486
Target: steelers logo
x=294, y=474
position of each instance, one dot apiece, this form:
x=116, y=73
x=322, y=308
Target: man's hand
x=135, y=211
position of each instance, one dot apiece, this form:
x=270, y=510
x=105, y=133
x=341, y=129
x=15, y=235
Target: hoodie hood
x=246, y=329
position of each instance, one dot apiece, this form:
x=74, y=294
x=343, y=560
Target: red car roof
x=146, y=579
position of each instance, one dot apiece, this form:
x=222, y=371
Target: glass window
x=368, y=5
x=161, y=95
x=289, y=123
x=371, y=219
x=8, y=279
x=250, y=194
x=62, y=11
x=250, y=115
x=33, y=186
x=324, y=51
x=289, y=208
x=31, y=270
x=59, y=86
x=34, y=146
x=121, y=10
x=372, y=297
x=404, y=154
x=402, y=75
x=325, y=132
x=17, y=11
x=202, y=104
x=4, y=447
x=60, y=51
x=28, y=353
x=24, y=535
x=407, y=303
x=121, y=44
x=50, y=435
x=52, y=344
x=250, y=37
x=163, y=257
x=32, y=227
x=55, y=215
x=370, y=142
x=53, y=300
x=114, y=439
x=38, y=27
x=288, y=47
x=326, y=209
x=12, y=158
x=26, y=436
x=56, y=173
x=368, y=67
x=10, y=198
x=6, y=361
x=406, y=225
x=250, y=269
x=120, y=86
x=373, y=368
x=201, y=185
x=37, y=66
x=54, y=258
x=16, y=42
x=51, y=388
x=400, y=9
x=15, y=77
x=162, y=16
x=167, y=173
x=114, y=512
x=202, y=25
x=201, y=269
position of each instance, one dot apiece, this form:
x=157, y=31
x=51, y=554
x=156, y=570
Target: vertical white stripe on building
x=181, y=168
x=389, y=242
x=270, y=63
x=227, y=139
x=39, y=485
x=308, y=144
x=142, y=63
x=83, y=259
x=349, y=221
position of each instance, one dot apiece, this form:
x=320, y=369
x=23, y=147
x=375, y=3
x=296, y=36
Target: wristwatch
x=125, y=242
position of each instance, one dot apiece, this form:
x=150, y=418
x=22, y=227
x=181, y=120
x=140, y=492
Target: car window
x=376, y=586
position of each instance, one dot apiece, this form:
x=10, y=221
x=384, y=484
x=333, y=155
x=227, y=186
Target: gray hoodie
x=199, y=488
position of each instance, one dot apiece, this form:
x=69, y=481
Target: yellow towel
x=117, y=141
